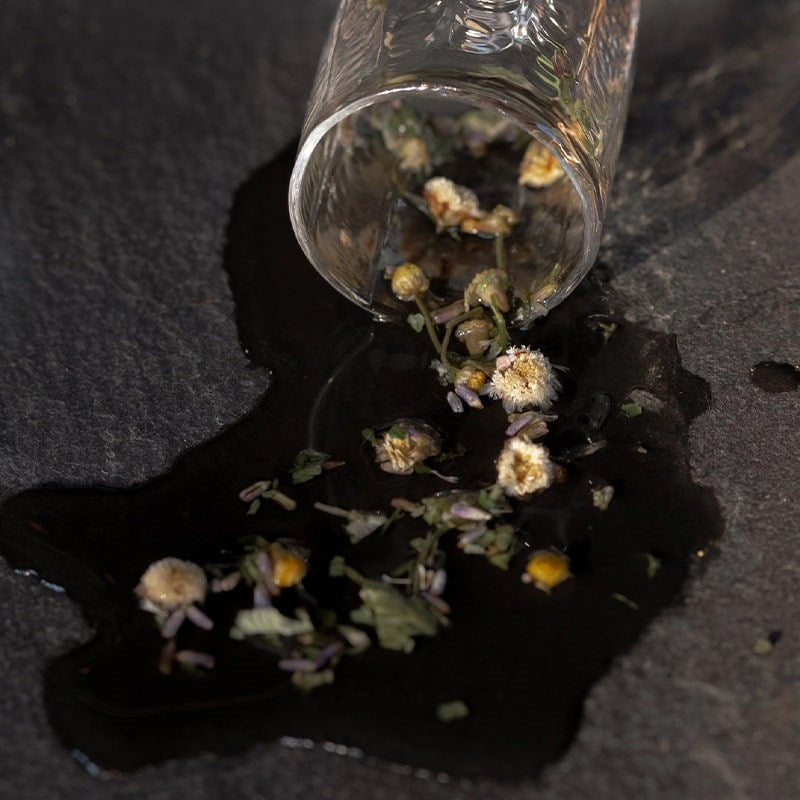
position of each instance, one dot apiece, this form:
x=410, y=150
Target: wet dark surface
x=775, y=377
x=126, y=128
x=522, y=660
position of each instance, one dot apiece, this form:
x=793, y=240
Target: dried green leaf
x=254, y=506
x=451, y=711
x=336, y=567
x=631, y=410
x=266, y=621
x=398, y=432
x=416, y=321
x=396, y=617
x=362, y=525
x=653, y=565
x=501, y=560
x=307, y=465
x=601, y=497
x=625, y=600
x=369, y=435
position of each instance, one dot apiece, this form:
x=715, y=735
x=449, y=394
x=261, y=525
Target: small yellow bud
x=547, y=569
x=471, y=378
x=288, y=570
x=409, y=281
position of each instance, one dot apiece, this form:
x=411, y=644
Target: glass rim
x=529, y=119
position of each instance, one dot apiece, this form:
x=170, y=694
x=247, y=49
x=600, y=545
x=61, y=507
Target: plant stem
x=500, y=322
x=429, y=326
x=500, y=252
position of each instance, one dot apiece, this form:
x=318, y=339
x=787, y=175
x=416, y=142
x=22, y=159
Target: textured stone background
x=125, y=129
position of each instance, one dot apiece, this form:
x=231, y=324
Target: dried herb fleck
x=308, y=464
x=452, y=711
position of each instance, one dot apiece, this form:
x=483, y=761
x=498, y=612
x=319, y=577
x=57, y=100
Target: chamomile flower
x=169, y=589
x=524, y=378
x=406, y=444
x=539, y=168
x=524, y=467
x=172, y=582
x=449, y=203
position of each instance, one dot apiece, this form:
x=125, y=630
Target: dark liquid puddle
x=521, y=659
x=775, y=377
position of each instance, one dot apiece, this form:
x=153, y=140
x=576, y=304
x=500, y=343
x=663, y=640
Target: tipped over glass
x=463, y=136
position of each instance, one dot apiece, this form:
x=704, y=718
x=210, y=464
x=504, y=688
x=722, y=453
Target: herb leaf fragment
x=308, y=464
x=452, y=711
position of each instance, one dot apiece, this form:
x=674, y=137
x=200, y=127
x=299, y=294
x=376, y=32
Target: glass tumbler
x=463, y=135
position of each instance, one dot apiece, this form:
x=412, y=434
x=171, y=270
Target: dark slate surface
x=124, y=131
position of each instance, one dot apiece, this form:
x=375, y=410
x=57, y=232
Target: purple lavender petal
x=227, y=583
x=297, y=665
x=173, y=622
x=327, y=653
x=520, y=422
x=264, y=565
x=438, y=583
x=261, y=597
x=465, y=511
x=471, y=536
x=454, y=401
x=445, y=314
x=194, y=658
x=468, y=396
x=248, y=494
x=199, y=618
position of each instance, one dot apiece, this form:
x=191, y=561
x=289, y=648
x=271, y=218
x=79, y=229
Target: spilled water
x=775, y=376
x=522, y=660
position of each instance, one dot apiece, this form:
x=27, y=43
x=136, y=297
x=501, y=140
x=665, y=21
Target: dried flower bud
x=409, y=281
x=288, y=569
x=406, y=444
x=413, y=154
x=487, y=287
x=539, y=168
x=547, y=569
x=170, y=583
x=471, y=378
x=474, y=334
x=523, y=467
x=497, y=222
x=449, y=203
